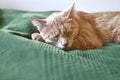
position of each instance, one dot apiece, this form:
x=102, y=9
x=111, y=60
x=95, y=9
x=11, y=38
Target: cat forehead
x=57, y=20
x=55, y=17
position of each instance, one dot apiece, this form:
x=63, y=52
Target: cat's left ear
x=39, y=23
x=69, y=12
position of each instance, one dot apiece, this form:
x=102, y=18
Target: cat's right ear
x=69, y=12
x=39, y=23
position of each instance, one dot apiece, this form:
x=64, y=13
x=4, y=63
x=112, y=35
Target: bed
x=24, y=59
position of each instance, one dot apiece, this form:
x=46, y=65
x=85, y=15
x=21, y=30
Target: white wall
x=44, y=5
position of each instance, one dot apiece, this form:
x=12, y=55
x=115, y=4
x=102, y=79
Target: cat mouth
x=61, y=47
x=65, y=48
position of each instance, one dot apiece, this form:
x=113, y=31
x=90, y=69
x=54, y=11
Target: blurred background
x=45, y=5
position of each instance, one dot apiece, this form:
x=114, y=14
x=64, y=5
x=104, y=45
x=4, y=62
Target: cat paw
x=36, y=36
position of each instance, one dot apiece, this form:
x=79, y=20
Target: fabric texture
x=24, y=59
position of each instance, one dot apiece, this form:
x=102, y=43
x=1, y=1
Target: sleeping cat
x=72, y=29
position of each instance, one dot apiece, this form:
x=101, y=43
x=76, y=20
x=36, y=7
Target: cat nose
x=65, y=44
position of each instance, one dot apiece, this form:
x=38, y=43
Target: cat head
x=58, y=29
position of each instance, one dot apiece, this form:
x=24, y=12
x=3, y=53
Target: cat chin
x=66, y=49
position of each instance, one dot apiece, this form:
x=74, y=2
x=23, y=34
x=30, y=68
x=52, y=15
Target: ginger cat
x=72, y=29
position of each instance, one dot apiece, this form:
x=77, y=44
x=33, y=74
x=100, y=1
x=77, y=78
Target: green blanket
x=24, y=59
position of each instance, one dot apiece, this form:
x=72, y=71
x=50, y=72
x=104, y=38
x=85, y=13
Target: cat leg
x=36, y=36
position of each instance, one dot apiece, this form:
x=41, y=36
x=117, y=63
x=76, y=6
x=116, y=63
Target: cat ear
x=39, y=23
x=68, y=13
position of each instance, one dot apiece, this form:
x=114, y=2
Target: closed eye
x=55, y=38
